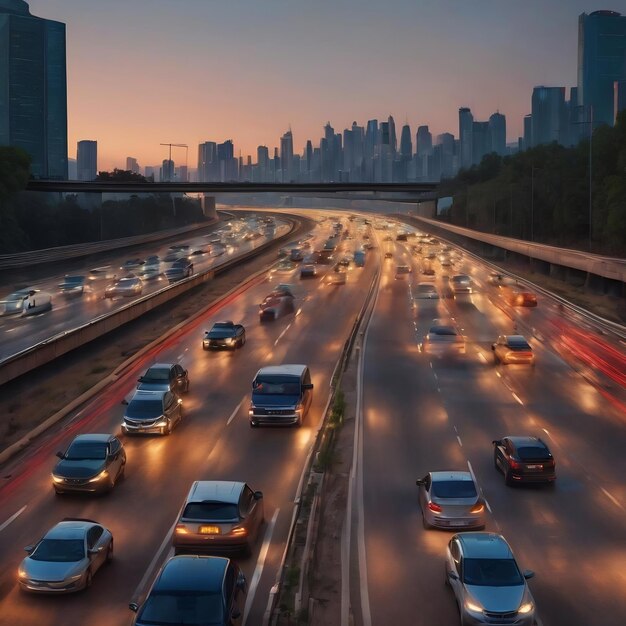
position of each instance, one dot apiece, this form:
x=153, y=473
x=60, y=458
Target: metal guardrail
x=53, y=347
x=64, y=253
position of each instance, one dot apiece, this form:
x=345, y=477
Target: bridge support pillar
x=208, y=206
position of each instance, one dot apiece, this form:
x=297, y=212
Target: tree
x=121, y=176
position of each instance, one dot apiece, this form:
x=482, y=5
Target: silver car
x=66, y=558
x=487, y=583
x=450, y=500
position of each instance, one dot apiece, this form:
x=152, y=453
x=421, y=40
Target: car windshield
x=425, y=289
x=211, y=511
x=190, y=608
x=454, y=489
x=82, y=450
x=518, y=344
x=491, y=572
x=276, y=385
x=59, y=550
x=144, y=408
x=157, y=373
x=220, y=333
x=442, y=330
x=533, y=452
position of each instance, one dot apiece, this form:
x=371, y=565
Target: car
x=17, y=302
x=461, y=284
x=165, y=377
x=512, y=349
x=443, y=339
x=72, y=285
x=445, y=261
x=296, y=254
x=153, y=259
x=524, y=459
x=388, y=255
x=132, y=264
x=180, y=247
x=224, y=335
x=285, y=267
x=276, y=305
x=130, y=285
x=181, y=268
x=92, y=463
x=450, y=500
x=194, y=590
x=427, y=271
x=154, y=412
x=308, y=270
x=402, y=272
x=426, y=291
x=487, y=583
x=150, y=272
x=345, y=262
x=338, y=277
x=521, y=298
x=495, y=278
x=219, y=516
x=66, y=558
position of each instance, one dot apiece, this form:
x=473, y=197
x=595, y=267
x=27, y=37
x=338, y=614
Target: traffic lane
x=406, y=434
x=145, y=463
x=70, y=312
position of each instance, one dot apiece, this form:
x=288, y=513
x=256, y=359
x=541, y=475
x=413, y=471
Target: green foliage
x=14, y=173
x=544, y=193
x=121, y=176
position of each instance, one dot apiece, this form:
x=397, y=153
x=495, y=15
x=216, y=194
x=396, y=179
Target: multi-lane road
x=418, y=414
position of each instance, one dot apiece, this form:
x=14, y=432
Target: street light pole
x=590, y=177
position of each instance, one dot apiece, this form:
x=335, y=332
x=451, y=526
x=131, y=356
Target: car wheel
x=110, y=552
x=88, y=579
x=495, y=462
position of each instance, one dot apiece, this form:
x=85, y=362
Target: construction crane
x=177, y=145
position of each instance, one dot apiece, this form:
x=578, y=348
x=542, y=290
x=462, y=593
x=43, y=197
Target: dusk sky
x=142, y=72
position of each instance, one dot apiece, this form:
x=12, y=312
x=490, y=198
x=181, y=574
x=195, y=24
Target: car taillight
x=515, y=464
x=434, y=507
x=478, y=508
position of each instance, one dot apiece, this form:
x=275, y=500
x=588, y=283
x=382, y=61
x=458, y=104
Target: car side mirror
x=528, y=573
x=496, y=442
x=133, y=606
x=258, y=495
x=419, y=481
x=60, y=455
x=29, y=549
x=453, y=575
x=124, y=401
x=307, y=386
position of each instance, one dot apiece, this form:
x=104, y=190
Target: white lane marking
x=545, y=430
x=517, y=398
x=234, y=413
x=12, y=518
x=155, y=560
x=612, y=498
x=459, y=440
x=482, y=357
x=498, y=375
x=180, y=357
x=435, y=375
x=10, y=330
x=487, y=505
x=298, y=312
x=471, y=471
x=283, y=333
x=260, y=564
x=455, y=430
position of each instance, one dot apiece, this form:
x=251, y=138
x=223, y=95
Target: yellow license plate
x=209, y=530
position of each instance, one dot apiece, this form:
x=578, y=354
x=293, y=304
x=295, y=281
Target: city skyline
x=478, y=58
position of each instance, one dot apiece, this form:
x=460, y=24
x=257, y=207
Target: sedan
x=92, y=463
x=194, y=590
x=181, y=268
x=524, y=460
x=219, y=516
x=522, y=298
x=66, y=558
x=308, y=270
x=224, y=335
x=426, y=291
x=165, y=377
x=402, y=272
x=512, y=349
x=488, y=585
x=274, y=306
x=450, y=500
x=461, y=284
x=127, y=286
x=72, y=285
x=152, y=412
x=443, y=340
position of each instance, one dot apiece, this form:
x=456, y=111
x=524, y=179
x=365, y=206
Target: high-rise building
x=132, y=165
x=528, y=132
x=497, y=134
x=182, y=174
x=208, y=169
x=309, y=155
x=87, y=159
x=167, y=171
x=33, y=88
x=601, y=62
x=227, y=163
x=619, y=96
x=549, y=120
x=393, y=144
x=406, y=144
x=480, y=141
x=466, y=119
x=286, y=156
x=447, y=167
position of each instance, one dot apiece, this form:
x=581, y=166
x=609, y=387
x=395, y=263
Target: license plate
x=534, y=467
x=209, y=530
x=457, y=523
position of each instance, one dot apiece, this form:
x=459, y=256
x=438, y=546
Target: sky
x=145, y=72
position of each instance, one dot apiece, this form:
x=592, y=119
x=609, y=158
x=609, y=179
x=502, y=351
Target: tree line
x=542, y=194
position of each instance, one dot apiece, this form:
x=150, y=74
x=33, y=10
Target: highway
x=421, y=414
x=69, y=311
x=214, y=441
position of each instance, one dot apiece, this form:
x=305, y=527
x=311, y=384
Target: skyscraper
x=167, y=171
x=87, y=159
x=132, y=165
x=480, y=141
x=466, y=119
x=393, y=144
x=549, y=119
x=33, y=89
x=601, y=62
x=528, y=132
x=208, y=170
x=406, y=144
x=497, y=133
x=286, y=156
x=619, y=93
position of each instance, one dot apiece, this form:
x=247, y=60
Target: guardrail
x=65, y=253
x=53, y=347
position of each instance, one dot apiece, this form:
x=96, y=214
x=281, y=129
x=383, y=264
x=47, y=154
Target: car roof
x=520, y=441
x=227, y=491
x=223, y=324
x=161, y=366
x=484, y=545
x=94, y=438
x=193, y=573
x=285, y=369
x=69, y=529
x=149, y=394
x=444, y=476
x=516, y=338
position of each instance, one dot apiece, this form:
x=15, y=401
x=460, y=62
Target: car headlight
x=57, y=479
x=22, y=574
x=161, y=423
x=229, y=339
x=526, y=607
x=101, y=476
x=74, y=578
x=473, y=606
